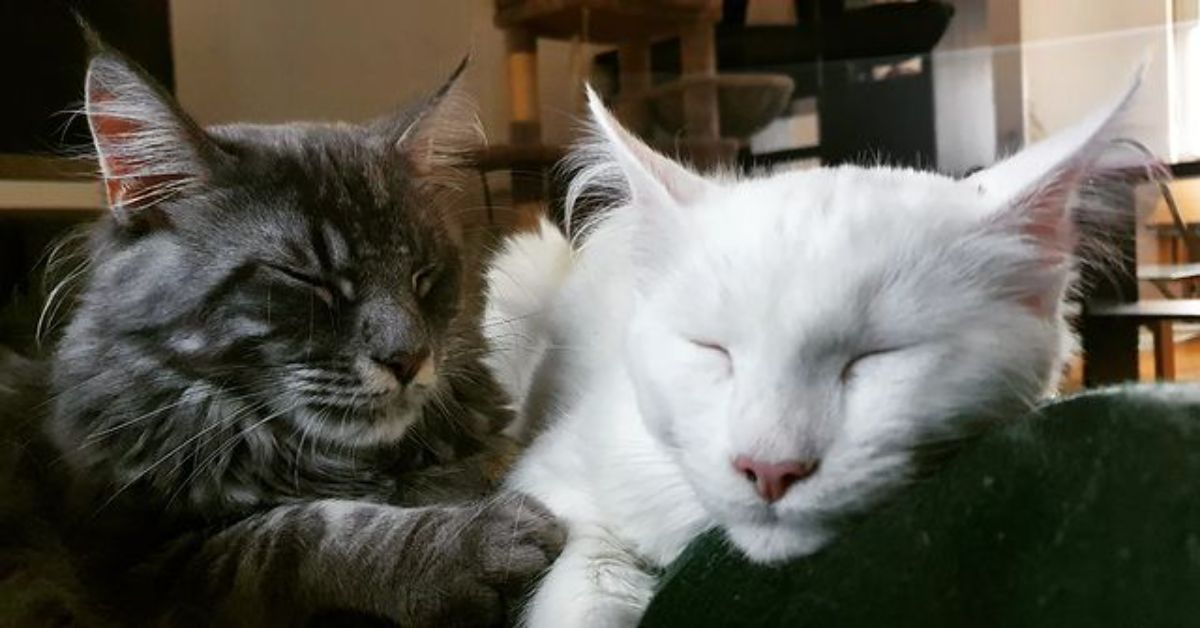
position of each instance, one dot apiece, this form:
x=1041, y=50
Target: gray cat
x=269, y=406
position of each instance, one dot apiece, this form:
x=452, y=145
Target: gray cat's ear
x=148, y=149
x=620, y=169
x=435, y=137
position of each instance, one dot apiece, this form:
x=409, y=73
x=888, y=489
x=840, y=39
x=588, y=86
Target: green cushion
x=1087, y=515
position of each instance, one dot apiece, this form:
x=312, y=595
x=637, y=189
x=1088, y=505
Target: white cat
x=764, y=354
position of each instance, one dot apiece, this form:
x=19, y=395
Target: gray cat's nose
x=773, y=479
x=404, y=364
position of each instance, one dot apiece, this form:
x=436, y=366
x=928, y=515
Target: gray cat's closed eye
x=423, y=280
x=318, y=285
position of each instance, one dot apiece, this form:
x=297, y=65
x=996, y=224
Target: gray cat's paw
x=518, y=540
x=504, y=545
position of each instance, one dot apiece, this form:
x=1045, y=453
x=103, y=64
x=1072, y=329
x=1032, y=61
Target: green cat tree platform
x=1086, y=515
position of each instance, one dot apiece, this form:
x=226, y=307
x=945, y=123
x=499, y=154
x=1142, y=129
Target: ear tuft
x=612, y=161
x=1036, y=184
x=435, y=137
x=615, y=170
x=148, y=150
x=1047, y=191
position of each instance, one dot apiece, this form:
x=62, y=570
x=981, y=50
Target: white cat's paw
x=775, y=543
x=596, y=583
x=584, y=613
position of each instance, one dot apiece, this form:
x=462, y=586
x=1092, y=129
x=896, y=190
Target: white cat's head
x=796, y=336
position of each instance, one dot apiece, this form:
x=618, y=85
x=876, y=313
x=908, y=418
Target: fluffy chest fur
x=599, y=468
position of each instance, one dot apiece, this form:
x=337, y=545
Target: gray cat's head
x=308, y=269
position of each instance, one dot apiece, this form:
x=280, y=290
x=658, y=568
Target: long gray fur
x=218, y=456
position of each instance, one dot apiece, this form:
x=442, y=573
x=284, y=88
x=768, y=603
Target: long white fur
x=948, y=290
x=523, y=277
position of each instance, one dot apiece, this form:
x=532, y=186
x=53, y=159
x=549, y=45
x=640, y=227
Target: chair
x=1159, y=316
x=1163, y=276
x=1185, y=274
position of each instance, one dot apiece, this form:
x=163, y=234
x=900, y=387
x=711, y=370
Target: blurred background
x=750, y=84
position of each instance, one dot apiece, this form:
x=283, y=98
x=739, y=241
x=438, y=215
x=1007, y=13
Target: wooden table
x=1113, y=313
x=32, y=184
x=40, y=197
x=1170, y=249
x=1111, y=336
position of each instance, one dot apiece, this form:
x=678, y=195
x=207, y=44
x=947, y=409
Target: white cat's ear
x=651, y=178
x=148, y=149
x=1035, y=190
x=617, y=165
x=1038, y=181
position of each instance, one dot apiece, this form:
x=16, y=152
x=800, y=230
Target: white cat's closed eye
x=712, y=346
x=852, y=363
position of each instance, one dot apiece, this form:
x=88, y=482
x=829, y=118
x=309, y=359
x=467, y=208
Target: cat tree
x=631, y=25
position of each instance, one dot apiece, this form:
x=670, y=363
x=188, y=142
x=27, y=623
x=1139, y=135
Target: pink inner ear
x=124, y=188
x=1049, y=216
x=1047, y=222
x=1043, y=305
x=108, y=131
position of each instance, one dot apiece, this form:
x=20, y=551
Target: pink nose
x=773, y=479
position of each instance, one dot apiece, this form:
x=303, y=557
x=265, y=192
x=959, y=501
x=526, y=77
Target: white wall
x=1072, y=56
x=274, y=60
x=1078, y=54
x=964, y=103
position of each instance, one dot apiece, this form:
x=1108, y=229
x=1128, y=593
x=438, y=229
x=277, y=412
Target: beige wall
x=1077, y=54
x=274, y=60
